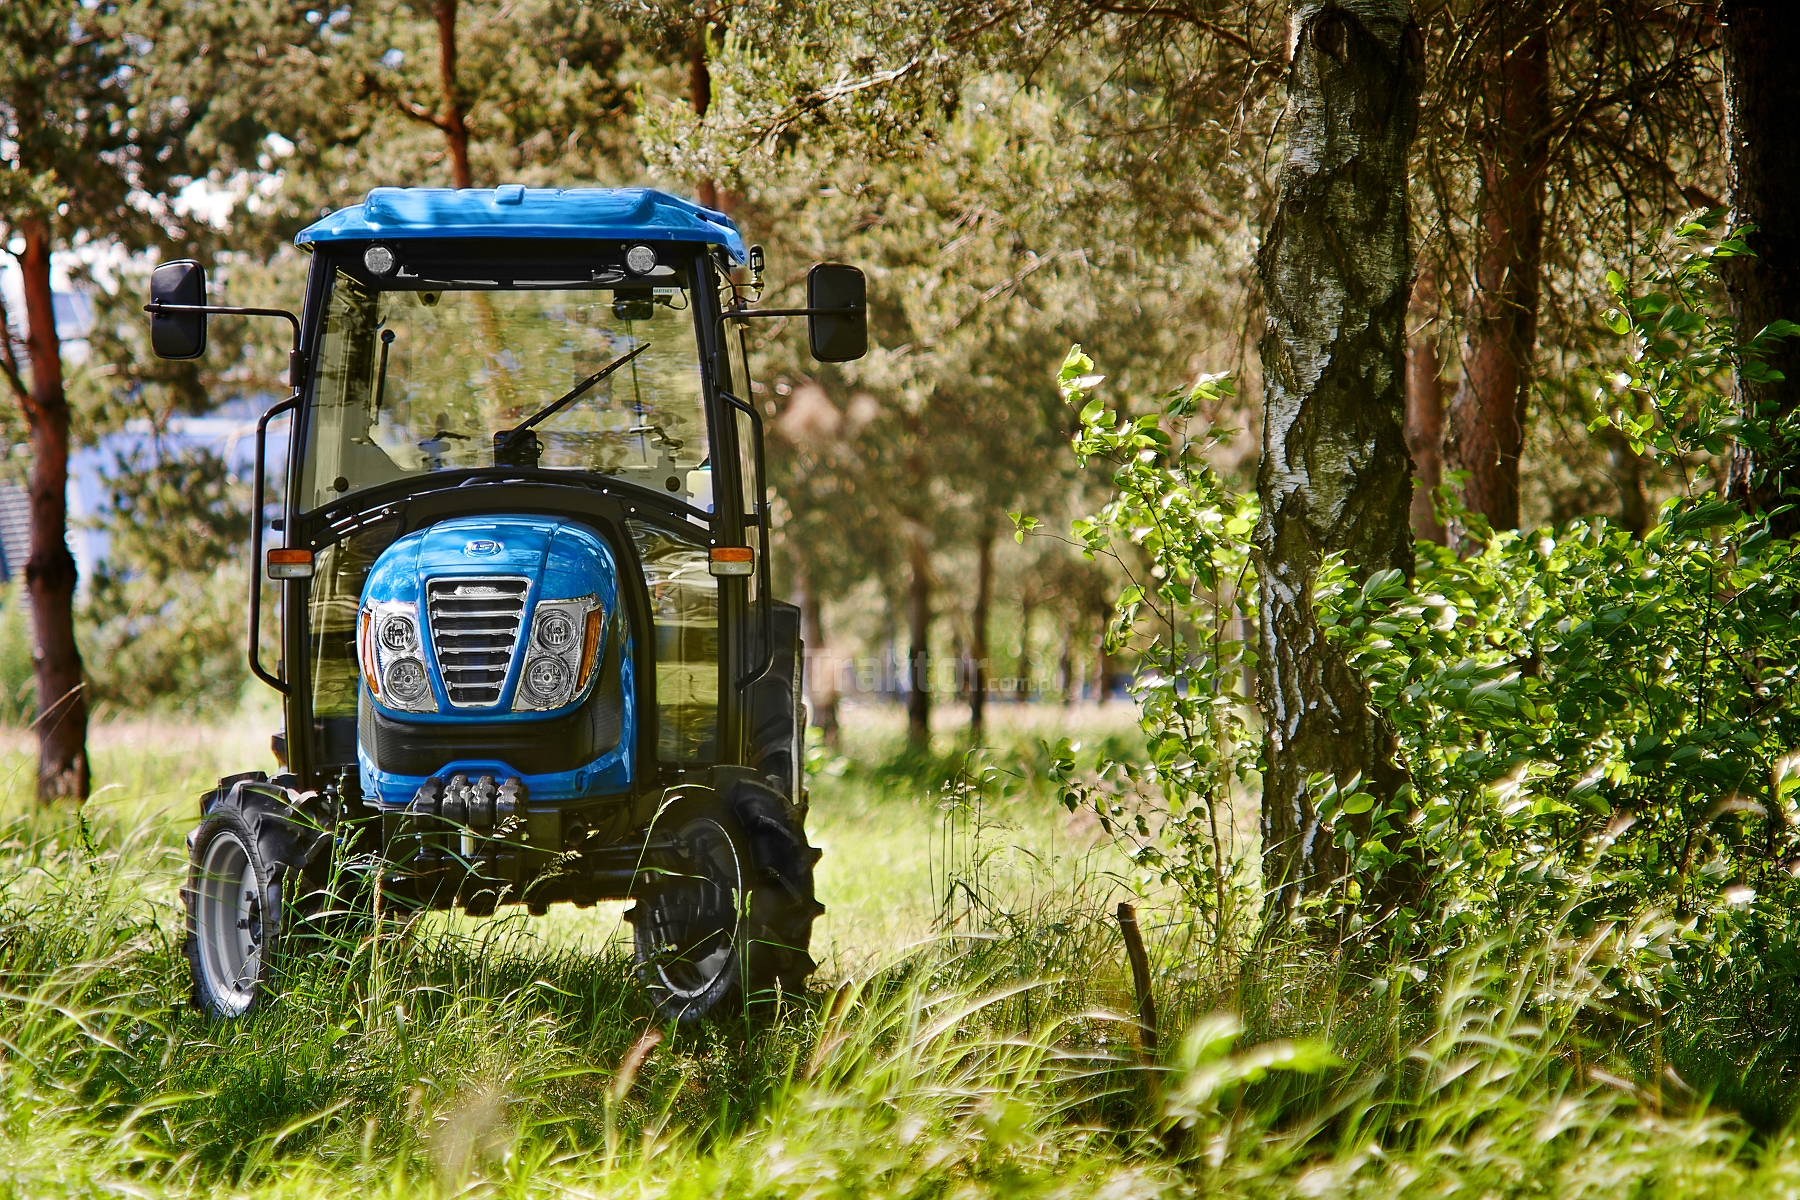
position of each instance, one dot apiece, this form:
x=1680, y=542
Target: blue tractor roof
x=513, y=211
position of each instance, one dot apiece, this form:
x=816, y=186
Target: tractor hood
x=488, y=617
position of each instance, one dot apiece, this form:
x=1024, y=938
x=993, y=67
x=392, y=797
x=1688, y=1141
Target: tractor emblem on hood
x=483, y=548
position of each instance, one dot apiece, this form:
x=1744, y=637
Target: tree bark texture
x=1022, y=679
x=978, y=640
x=1425, y=411
x=700, y=93
x=1488, y=411
x=1102, y=659
x=1336, y=272
x=50, y=570
x=918, y=624
x=821, y=675
x=454, y=122
x=1762, y=98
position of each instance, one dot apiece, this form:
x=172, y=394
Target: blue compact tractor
x=529, y=652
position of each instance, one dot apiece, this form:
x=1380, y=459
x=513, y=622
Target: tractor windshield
x=409, y=382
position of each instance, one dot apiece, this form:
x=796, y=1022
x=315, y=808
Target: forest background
x=1423, y=474
x=1015, y=177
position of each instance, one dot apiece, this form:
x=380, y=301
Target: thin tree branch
x=9, y=359
x=1172, y=14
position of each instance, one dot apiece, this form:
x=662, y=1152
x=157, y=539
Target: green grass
x=947, y=1049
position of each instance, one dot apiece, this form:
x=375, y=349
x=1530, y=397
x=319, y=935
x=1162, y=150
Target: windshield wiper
x=504, y=439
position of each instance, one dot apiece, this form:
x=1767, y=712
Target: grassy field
x=963, y=1036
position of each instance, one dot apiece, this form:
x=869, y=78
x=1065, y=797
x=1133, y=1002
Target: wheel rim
x=694, y=924
x=230, y=924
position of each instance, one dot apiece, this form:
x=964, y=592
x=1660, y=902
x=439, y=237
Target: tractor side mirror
x=842, y=334
x=178, y=334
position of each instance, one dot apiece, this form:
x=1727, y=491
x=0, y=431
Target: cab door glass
x=753, y=534
x=684, y=610
x=336, y=595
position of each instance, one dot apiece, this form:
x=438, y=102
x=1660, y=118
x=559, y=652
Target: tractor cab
x=528, y=649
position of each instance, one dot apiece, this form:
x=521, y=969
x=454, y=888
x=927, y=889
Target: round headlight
x=546, y=677
x=555, y=632
x=379, y=259
x=405, y=680
x=398, y=633
x=640, y=260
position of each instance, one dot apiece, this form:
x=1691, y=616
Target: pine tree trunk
x=454, y=122
x=918, y=624
x=1336, y=272
x=1067, y=668
x=821, y=675
x=1102, y=659
x=1425, y=410
x=50, y=571
x=1022, y=681
x=1762, y=97
x=1488, y=412
x=1628, y=477
x=978, y=642
x=700, y=93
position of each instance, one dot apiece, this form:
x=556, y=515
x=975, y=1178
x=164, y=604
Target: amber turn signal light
x=590, y=648
x=290, y=564
x=732, y=560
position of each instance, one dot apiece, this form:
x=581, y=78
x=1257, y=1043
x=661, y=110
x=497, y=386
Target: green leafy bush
x=1182, y=537
x=1597, y=727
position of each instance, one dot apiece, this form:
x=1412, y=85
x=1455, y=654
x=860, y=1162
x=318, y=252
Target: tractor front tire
x=234, y=907
x=723, y=935
x=258, y=863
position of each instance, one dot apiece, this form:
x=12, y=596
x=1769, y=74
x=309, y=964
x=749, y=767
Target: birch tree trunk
x=1336, y=272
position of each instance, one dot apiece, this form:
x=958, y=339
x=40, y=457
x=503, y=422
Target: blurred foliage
x=164, y=623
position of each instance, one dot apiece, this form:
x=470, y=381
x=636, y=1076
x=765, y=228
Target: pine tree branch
x=9, y=359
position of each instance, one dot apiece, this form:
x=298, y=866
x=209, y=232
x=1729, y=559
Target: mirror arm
x=744, y=314
x=296, y=366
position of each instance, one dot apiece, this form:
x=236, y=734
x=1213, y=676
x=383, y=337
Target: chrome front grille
x=475, y=630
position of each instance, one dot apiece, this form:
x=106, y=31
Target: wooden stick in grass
x=1140, y=979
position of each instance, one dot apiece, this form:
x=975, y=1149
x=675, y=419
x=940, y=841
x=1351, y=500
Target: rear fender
x=292, y=828
x=776, y=846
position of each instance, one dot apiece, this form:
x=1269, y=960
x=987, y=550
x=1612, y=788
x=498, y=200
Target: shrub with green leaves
x=1596, y=726
x=1182, y=537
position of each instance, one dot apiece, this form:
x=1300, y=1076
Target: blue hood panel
x=473, y=546
x=557, y=560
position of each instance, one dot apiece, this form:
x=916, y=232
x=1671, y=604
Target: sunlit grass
x=974, y=1048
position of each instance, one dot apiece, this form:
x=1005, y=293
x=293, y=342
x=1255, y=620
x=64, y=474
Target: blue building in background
x=227, y=431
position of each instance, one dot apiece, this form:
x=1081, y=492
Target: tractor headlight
x=547, y=679
x=406, y=682
x=387, y=650
x=640, y=260
x=399, y=634
x=556, y=632
x=564, y=646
